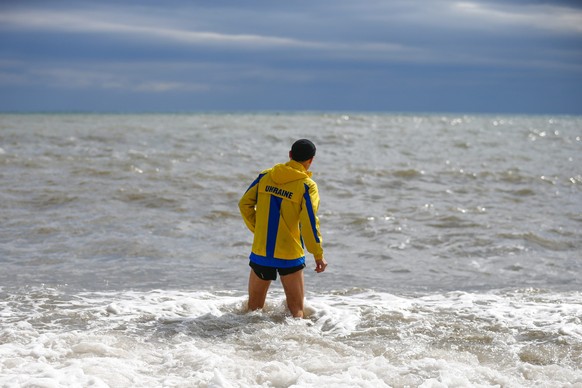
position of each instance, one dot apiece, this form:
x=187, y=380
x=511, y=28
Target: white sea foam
x=353, y=338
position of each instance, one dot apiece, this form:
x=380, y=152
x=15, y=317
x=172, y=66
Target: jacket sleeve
x=310, y=221
x=248, y=202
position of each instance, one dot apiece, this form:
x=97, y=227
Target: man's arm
x=310, y=225
x=247, y=204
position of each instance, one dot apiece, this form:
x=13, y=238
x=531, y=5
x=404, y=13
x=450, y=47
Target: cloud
x=379, y=31
x=93, y=22
x=543, y=17
x=122, y=77
x=156, y=32
x=469, y=16
x=162, y=87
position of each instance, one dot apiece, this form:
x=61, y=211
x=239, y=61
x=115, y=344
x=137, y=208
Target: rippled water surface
x=454, y=245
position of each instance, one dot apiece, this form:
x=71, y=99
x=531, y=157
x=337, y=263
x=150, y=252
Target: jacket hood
x=289, y=172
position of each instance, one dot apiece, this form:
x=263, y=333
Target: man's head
x=302, y=150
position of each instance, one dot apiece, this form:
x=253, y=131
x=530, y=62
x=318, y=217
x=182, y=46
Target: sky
x=429, y=56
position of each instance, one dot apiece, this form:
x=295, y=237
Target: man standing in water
x=280, y=208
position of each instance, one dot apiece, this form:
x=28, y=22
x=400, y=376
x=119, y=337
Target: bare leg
x=293, y=285
x=257, y=291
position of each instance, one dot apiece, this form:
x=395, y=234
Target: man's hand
x=320, y=265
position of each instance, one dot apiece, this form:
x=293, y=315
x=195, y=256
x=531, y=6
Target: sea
x=454, y=245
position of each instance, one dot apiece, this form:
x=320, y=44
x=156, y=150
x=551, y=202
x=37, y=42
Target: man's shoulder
x=265, y=172
x=309, y=182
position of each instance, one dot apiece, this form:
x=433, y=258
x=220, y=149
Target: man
x=280, y=208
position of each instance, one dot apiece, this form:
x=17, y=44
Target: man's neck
x=306, y=164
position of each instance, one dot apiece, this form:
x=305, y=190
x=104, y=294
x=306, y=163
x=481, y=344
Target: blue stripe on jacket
x=273, y=225
x=255, y=182
x=311, y=213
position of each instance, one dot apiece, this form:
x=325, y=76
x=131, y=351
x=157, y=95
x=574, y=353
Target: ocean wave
x=351, y=337
x=452, y=222
x=543, y=242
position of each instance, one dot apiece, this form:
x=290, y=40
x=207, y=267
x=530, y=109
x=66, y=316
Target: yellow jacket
x=280, y=208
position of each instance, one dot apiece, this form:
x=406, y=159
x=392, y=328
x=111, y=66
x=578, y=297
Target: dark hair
x=302, y=150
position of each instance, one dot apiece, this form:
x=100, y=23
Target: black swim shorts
x=270, y=273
